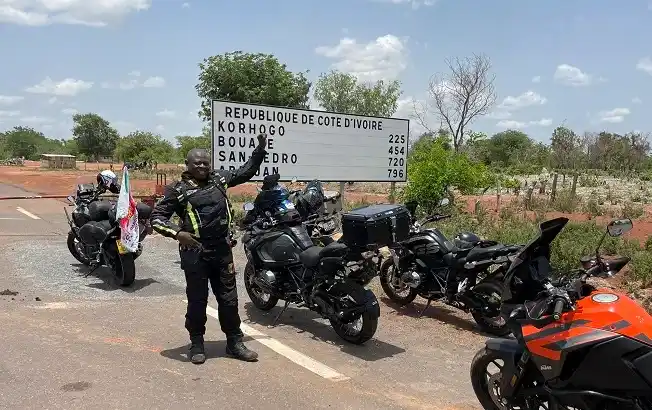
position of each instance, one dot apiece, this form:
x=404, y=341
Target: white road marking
x=12, y=219
x=24, y=212
x=295, y=356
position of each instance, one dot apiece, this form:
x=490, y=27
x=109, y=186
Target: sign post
x=308, y=144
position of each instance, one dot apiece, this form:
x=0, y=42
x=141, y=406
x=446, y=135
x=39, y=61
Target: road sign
x=309, y=144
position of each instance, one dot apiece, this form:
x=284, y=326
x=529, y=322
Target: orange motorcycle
x=575, y=346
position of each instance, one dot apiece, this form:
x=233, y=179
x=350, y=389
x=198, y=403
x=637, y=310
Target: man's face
x=198, y=164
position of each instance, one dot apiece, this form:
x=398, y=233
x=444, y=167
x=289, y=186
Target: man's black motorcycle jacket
x=205, y=211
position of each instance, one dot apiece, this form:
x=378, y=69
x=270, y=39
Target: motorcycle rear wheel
x=369, y=321
x=494, y=325
x=125, y=269
x=74, y=248
x=257, y=295
x=387, y=282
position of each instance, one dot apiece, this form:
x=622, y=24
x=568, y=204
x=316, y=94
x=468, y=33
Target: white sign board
x=308, y=144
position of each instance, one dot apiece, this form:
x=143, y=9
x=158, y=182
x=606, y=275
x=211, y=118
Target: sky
x=584, y=64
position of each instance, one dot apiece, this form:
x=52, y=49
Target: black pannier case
x=379, y=225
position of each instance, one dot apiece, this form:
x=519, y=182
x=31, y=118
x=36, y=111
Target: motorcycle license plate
x=121, y=248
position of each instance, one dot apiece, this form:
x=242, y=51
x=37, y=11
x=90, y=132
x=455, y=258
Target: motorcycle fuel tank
x=282, y=246
x=429, y=246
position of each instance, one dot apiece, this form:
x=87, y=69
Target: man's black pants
x=216, y=267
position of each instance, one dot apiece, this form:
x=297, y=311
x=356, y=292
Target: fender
x=371, y=303
x=508, y=347
x=515, y=359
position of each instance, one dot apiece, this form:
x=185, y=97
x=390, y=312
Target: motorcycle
x=94, y=236
x=284, y=264
x=576, y=346
x=466, y=274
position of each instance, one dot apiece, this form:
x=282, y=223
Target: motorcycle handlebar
x=559, y=308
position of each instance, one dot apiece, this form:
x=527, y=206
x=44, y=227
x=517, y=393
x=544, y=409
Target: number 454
x=395, y=173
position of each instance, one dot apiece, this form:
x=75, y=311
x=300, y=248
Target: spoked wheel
x=490, y=319
x=486, y=377
x=261, y=299
x=393, y=286
x=360, y=327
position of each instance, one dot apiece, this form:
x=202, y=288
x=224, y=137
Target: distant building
x=58, y=161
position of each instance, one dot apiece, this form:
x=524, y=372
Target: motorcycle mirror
x=70, y=199
x=619, y=226
x=444, y=202
x=248, y=207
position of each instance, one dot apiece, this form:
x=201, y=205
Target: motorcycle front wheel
x=392, y=286
x=260, y=299
x=125, y=269
x=75, y=247
x=353, y=295
x=490, y=320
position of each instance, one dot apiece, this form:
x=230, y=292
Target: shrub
x=432, y=169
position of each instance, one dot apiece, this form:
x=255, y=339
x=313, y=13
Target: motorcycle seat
x=310, y=257
x=479, y=253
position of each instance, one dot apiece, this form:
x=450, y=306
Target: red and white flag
x=127, y=214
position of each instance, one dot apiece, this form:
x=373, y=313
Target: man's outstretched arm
x=249, y=169
x=163, y=211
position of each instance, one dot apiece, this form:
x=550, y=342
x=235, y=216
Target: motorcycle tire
x=125, y=269
x=259, y=302
x=389, y=289
x=72, y=247
x=482, y=359
x=490, y=288
x=369, y=321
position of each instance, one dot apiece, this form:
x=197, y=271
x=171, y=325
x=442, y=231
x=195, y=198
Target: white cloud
x=166, y=114
x=36, y=120
x=573, y=76
x=414, y=3
x=527, y=99
x=160, y=128
x=154, y=82
x=134, y=82
x=67, y=87
x=614, y=116
x=69, y=111
x=381, y=59
x=536, y=79
x=10, y=99
x=95, y=13
x=636, y=100
x=52, y=100
x=185, y=5
x=645, y=65
x=9, y=113
x=516, y=125
x=499, y=115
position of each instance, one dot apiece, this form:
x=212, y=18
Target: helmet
x=107, y=180
x=465, y=240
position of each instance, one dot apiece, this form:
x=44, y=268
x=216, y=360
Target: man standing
x=205, y=242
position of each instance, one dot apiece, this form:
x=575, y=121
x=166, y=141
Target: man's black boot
x=238, y=350
x=197, y=353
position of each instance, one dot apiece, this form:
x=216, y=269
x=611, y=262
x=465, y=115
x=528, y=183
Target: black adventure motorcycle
x=465, y=273
x=94, y=236
x=283, y=263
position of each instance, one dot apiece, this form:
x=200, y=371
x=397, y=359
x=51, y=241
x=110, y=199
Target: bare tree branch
x=457, y=99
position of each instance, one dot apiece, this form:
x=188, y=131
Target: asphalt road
x=70, y=341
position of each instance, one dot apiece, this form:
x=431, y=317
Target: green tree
x=249, y=78
x=509, y=148
x=186, y=142
x=144, y=146
x=432, y=169
x=341, y=92
x=94, y=135
x=566, y=148
x=22, y=142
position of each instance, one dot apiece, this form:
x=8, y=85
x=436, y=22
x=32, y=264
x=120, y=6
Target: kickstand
x=425, y=308
x=287, y=303
x=91, y=271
